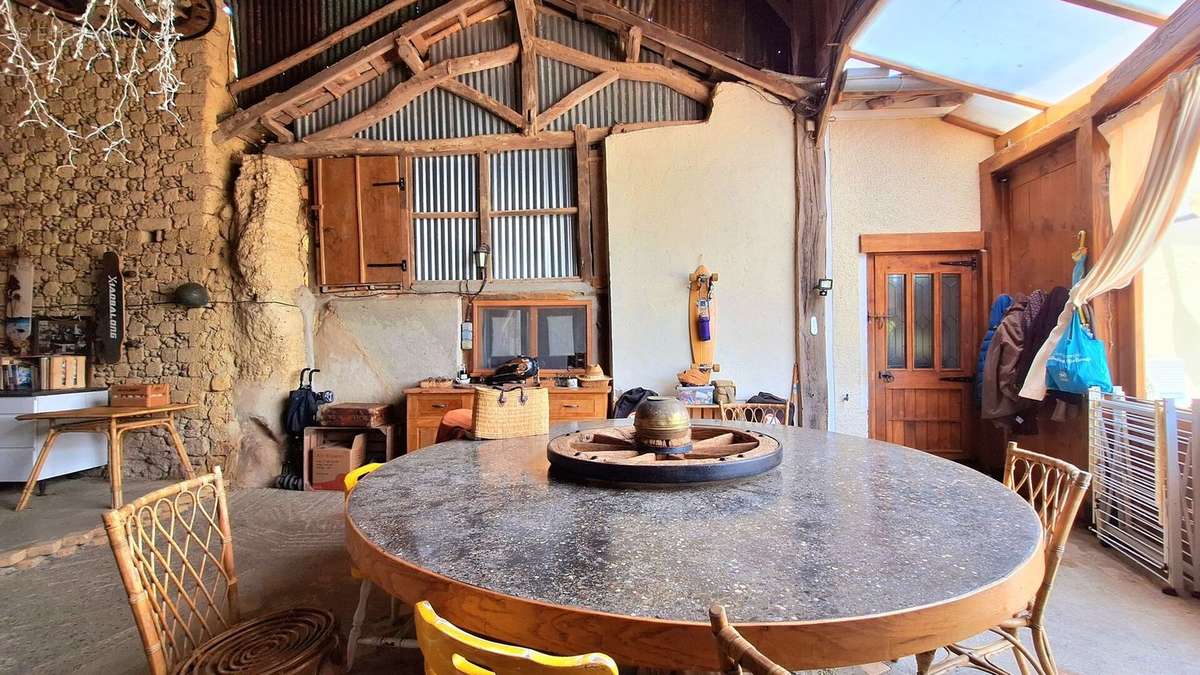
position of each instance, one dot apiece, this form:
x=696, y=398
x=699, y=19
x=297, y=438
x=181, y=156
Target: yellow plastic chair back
x=354, y=476
x=449, y=650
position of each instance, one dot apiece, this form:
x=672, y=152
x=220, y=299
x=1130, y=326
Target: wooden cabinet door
x=924, y=348
x=364, y=221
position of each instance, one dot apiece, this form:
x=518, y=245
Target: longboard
x=110, y=310
x=703, y=304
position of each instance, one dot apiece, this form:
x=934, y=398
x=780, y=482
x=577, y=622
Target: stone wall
x=175, y=182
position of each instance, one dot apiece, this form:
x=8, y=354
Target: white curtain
x=1145, y=217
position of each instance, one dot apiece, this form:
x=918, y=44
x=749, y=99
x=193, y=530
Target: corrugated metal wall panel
x=443, y=248
x=445, y=184
x=534, y=247
x=437, y=114
x=524, y=180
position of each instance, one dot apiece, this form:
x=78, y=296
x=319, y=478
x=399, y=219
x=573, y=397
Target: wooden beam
x=409, y=55
x=860, y=14
x=928, y=76
x=1123, y=10
x=461, y=21
x=484, y=182
x=469, y=93
x=1167, y=50
x=622, y=19
x=810, y=265
x=633, y=44
x=527, y=17
x=583, y=190
x=319, y=46
x=921, y=242
x=574, y=98
x=967, y=124
x=1051, y=115
x=404, y=93
x=349, y=67
x=641, y=72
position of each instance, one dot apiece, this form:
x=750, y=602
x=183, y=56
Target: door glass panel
x=897, y=347
x=951, y=320
x=922, y=321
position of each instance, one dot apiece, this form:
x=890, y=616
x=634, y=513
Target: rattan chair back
x=1056, y=490
x=735, y=651
x=757, y=413
x=174, y=552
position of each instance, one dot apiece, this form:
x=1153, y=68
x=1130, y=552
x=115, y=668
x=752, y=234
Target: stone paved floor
x=70, y=615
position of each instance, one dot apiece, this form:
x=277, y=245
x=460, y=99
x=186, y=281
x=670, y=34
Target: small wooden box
x=356, y=415
x=139, y=395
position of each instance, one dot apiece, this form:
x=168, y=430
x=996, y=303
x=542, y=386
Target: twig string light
x=141, y=50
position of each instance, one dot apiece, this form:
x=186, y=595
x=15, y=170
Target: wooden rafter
x=319, y=46
x=527, y=17
x=1123, y=10
x=633, y=44
x=619, y=19
x=409, y=55
x=574, y=98
x=1019, y=99
x=967, y=124
x=352, y=71
x=641, y=72
x=404, y=93
x=851, y=25
x=349, y=147
x=469, y=93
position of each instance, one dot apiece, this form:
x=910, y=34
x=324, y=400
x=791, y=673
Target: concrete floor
x=70, y=615
x=70, y=505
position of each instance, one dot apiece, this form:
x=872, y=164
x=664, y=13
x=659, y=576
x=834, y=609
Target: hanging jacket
x=999, y=307
x=1001, y=388
x=1039, y=329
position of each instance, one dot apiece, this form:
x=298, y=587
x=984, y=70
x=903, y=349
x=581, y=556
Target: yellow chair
x=364, y=589
x=449, y=650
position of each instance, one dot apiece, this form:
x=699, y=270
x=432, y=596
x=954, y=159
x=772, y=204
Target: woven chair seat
x=290, y=641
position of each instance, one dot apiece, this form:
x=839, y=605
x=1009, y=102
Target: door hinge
x=970, y=263
x=395, y=183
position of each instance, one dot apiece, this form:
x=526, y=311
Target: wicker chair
x=449, y=650
x=735, y=651
x=1055, y=489
x=758, y=413
x=174, y=552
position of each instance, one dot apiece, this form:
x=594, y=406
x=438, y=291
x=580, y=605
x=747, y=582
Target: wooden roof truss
x=690, y=69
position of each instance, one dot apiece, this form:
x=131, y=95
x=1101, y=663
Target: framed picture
x=62, y=335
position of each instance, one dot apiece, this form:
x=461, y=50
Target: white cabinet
x=20, y=442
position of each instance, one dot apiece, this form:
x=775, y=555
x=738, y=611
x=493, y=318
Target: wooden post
x=811, y=242
x=527, y=15
x=583, y=182
x=485, y=205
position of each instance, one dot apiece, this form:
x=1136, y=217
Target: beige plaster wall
x=722, y=194
x=888, y=176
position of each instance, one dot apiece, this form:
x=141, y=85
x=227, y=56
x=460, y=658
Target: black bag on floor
x=630, y=400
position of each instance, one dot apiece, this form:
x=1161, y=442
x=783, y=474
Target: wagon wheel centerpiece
x=663, y=447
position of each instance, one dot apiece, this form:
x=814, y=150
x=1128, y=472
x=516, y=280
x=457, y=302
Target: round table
x=851, y=551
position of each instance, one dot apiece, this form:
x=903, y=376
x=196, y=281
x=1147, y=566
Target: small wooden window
x=560, y=334
x=364, y=233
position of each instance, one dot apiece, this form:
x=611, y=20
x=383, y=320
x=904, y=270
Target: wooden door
x=924, y=347
x=363, y=212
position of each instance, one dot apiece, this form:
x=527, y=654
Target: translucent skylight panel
x=1164, y=7
x=992, y=113
x=1043, y=49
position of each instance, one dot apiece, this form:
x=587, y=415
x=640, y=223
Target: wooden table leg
x=115, y=461
x=37, y=469
x=184, y=462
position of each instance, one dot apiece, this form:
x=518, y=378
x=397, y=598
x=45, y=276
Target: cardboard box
x=331, y=463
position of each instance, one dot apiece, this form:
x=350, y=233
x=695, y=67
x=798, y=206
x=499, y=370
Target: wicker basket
x=510, y=413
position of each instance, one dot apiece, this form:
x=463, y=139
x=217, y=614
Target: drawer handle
x=439, y=406
x=571, y=405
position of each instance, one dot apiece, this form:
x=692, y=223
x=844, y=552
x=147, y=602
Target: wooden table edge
x=133, y=412
x=684, y=645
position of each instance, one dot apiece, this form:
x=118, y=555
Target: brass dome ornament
x=662, y=447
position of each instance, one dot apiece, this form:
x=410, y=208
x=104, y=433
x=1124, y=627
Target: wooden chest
x=425, y=408
x=356, y=415
x=139, y=395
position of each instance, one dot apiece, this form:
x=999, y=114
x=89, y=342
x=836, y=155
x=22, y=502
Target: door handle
x=886, y=376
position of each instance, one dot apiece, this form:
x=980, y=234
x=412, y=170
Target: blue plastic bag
x=1079, y=361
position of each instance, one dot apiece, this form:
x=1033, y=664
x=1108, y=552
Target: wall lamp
x=481, y=256
x=823, y=286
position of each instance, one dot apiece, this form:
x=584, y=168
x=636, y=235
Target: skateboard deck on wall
x=702, y=305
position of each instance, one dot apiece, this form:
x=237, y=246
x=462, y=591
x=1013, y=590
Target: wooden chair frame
x=174, y=552
x=1056, y=490
x=756, y=413
x=736, y=652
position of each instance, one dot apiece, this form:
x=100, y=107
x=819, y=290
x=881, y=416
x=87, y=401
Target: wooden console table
x=425, y=408
x=114, y=422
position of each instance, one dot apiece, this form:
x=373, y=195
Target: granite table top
x=844, y=527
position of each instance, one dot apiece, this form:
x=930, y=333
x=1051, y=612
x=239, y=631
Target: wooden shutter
x=364, y=225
